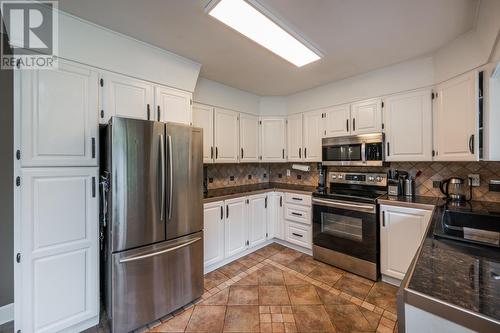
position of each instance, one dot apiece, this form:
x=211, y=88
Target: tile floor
x=277, y=289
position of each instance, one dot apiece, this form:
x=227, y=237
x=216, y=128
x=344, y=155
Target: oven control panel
x=378, y=179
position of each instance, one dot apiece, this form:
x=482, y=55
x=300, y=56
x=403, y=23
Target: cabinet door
x=126, y=97
x=213, y=232
x=236, y=229
x=249, y=138
x=257, y=219
x=401, y=233
x=273, y=139
x=203, y=116
x=59, y=246
x=366, y=116
x=59, y=122
x=337, y=121
x=456, y=120
x=275, y=221
x=408, y=126
x=294, y=138
x=173, y=105
x=226, y=136
x=313, y=132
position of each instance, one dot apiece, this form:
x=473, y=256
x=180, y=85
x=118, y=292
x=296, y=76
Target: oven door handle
x=344, y=205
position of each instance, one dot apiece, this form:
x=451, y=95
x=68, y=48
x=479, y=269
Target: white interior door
x=236, y=226
x=59, y=116
x=173, y=105
x=124, y=96
x=249, y=138
x=59, y=250
x=273, y=139
x=213, y=232
x=313, y=133
x=203, y=116
x=456, y=119
x=257, y=218
x=226, y=136
x=401, y=233
x=366, y=116
x=408, y=126
x=337, y=121
x=294, y=138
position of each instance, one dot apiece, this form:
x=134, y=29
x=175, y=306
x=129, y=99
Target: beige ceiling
x=355, y=36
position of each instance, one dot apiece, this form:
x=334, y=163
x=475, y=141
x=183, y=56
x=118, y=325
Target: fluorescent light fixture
x=246, y=19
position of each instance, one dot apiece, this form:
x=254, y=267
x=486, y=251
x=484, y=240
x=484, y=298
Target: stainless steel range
x=346, y=222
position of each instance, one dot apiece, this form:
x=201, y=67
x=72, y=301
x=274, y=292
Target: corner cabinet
x=273, y=139
x=249, y=138
x=226, y=136
x=456, y=119
x=203, y=116
x=173, y=105
x=401, y=232
x=408, y=126
x=366, y=116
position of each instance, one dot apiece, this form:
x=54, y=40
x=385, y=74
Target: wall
x=273, y=106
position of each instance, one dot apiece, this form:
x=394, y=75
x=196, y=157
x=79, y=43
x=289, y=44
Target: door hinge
x=101, y=82
x=248, y=243
x=260, y=122
x=248, y=201
x=267, y=235
x=102, y=113
x=18, y=154
x=190, y=102
x=18, y=257
x=18, y=181
x=433, y=153
x=383, y=104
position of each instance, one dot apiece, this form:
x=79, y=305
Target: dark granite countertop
x=455, y=280
x=421, y=202
x=236, y=191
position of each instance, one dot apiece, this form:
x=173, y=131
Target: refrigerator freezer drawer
x=152, y=281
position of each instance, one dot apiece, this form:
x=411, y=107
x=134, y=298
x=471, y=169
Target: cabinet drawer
x=298, y=199
x=298, y=214
x=298, y=234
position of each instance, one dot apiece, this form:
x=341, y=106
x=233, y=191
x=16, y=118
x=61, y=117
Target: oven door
x=347, y=227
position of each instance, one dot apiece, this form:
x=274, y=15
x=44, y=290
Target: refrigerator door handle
x=171, y=177
x=154, y=254
x=162, y=159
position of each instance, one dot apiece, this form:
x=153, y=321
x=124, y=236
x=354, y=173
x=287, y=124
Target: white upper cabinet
x=337, y=121
x=455, y=127
x=313, y=132
x=408, y=126
x=226, y=136
x=273, y=139
x=257, y=219
x=124, y=96
x=249, y=138
x=235, y=226
x=172, y=105
x=59, y=116
x=366, y=116
x=294, y=138
x=203, y=116
x=213, y=232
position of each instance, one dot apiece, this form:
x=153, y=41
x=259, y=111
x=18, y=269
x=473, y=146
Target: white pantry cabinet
x=124, y=96
x=294, y=137
x=203, y=116
x=226, y=136
x=59, y=288
x=366, y=116
x=249, y=138
x=337, y=121
x=257, y=219
x=236, y=226
x=313, y=133
x=273, y=139
x=173, y=105
x=213, y=232
x=401, y=232
x=456, y=119
x=408, y=126
x=59, y=109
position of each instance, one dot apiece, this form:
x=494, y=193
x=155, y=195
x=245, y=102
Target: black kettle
x=454, y=189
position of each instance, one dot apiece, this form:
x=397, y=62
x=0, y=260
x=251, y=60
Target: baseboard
x=6, y=313
x=293, y=246
x=391, y=280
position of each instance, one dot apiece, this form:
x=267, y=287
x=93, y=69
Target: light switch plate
x=288, y=172
x=476, y=181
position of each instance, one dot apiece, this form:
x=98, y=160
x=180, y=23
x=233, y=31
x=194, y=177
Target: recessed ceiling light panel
x=246, y=19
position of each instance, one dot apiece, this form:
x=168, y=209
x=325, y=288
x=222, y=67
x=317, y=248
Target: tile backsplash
x=431, y=171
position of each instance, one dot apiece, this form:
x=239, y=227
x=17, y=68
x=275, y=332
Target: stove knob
x=334, y=176
x=340, y=176
x=378, y=179
x=370, y=178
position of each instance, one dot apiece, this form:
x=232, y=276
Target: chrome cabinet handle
x=171, y=177
x=162, y=159
x=154, y=254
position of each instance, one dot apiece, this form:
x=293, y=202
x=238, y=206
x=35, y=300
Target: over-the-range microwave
x=357, y=150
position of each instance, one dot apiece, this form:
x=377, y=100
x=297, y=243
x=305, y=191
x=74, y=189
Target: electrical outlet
x=299, y=176
x=249, y=176
x=231, y=178
x=476, y=181
x=288, y=172
x=210, y=179
x=280, y=175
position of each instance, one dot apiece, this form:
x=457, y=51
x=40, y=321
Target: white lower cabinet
x=236, y=226
x=213, y=232
x=401, y=232
x=257, y=219
x=299, y=234
x=59, y=288
x=298, y=219
x=275, y=222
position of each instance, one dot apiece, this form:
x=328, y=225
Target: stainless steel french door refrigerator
x=154, y=220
